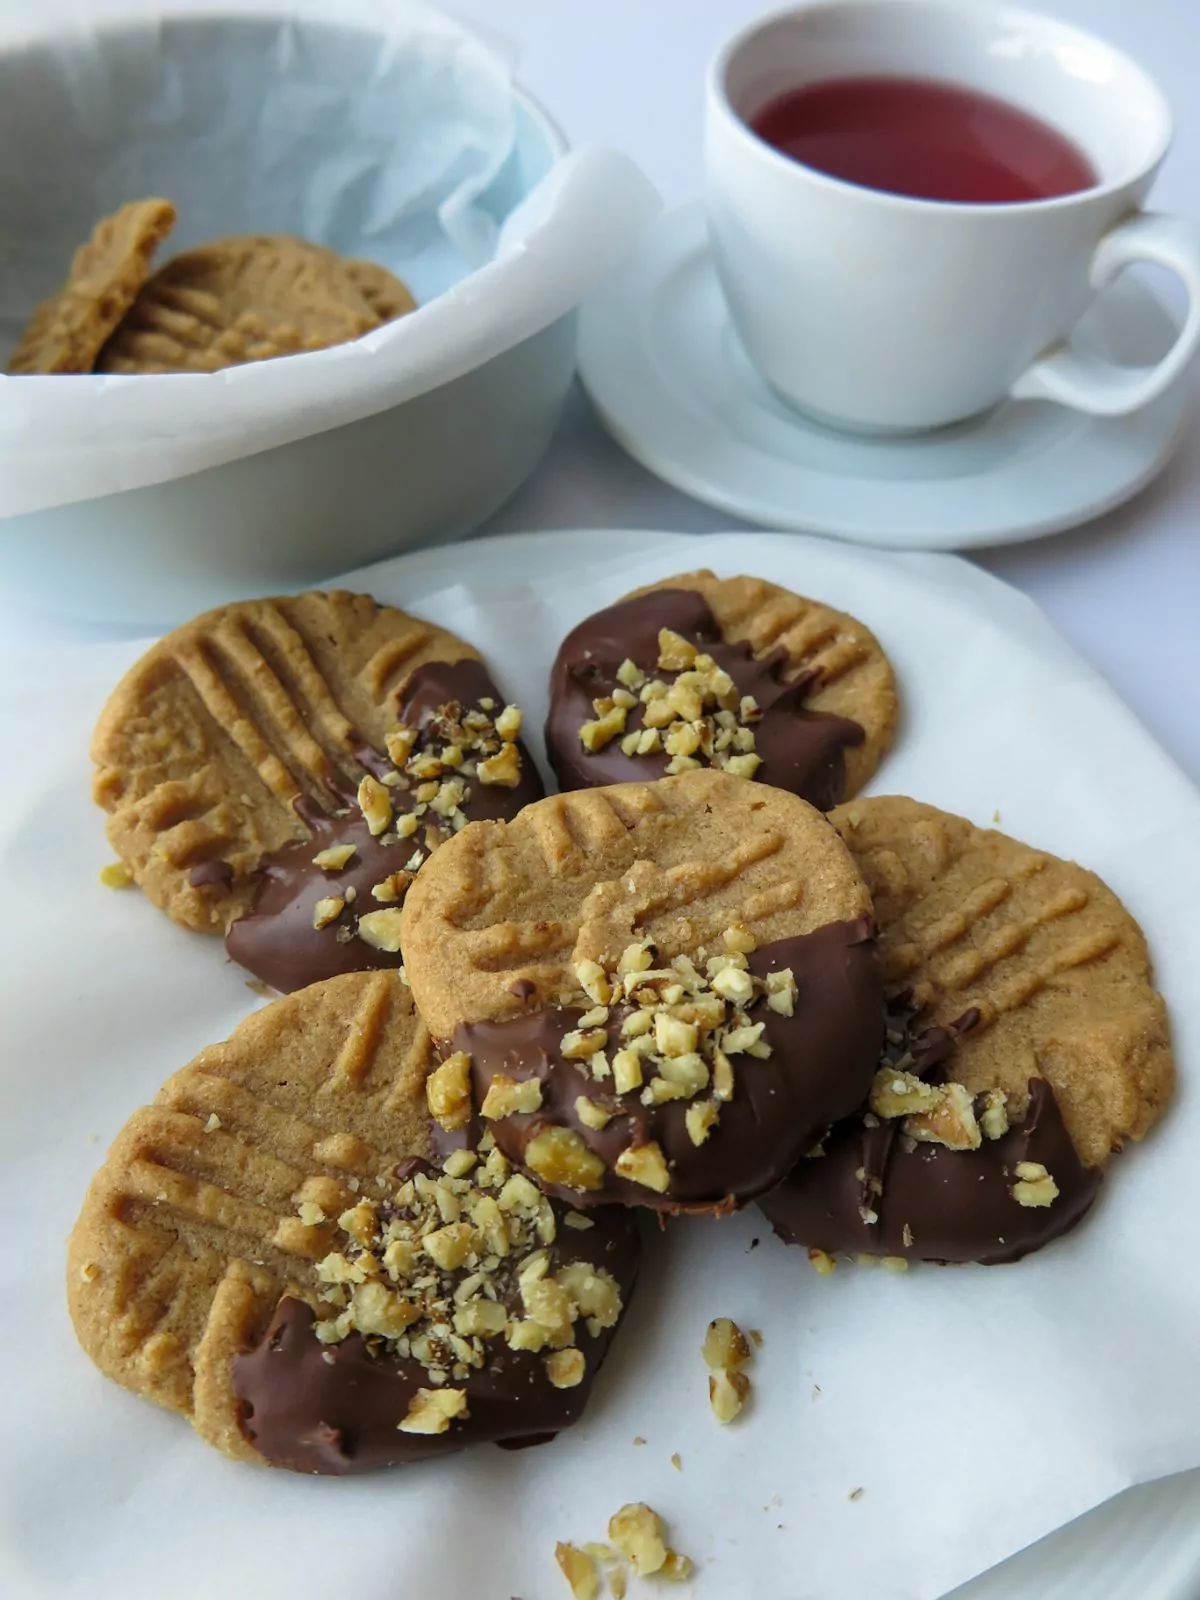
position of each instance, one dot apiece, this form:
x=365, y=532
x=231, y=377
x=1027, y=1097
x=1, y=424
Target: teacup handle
x=1088, y=383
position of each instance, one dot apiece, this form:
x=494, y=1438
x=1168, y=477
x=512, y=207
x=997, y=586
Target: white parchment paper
x=976, y=1409
x=377, y=127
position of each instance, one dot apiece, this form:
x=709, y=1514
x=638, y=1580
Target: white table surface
x=1125, y=590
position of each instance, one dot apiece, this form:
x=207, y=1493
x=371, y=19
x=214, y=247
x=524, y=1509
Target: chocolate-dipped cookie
x=654, y=994
x=270, y=1250
x=278, y=770
x=732, y=673
x=1026, y=1043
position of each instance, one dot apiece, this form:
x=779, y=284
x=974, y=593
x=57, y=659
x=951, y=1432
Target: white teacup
x=874, y=311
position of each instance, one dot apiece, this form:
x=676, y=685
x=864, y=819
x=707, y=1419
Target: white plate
x=102, y=1495
x=660, y=359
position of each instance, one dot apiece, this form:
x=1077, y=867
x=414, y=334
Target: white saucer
x=660, y=359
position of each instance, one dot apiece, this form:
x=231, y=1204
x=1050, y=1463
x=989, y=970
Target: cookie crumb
x=855, y=1494
x=116, y=875
x=727, y=1394
x=578, y=1568
x=677, y=1461
x=725, y=1351
x=637, y=1532
x=822, y=1262
x=1034, y=1186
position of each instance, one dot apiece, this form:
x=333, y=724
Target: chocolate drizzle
x=335, y=1408
x=802, y=750
x=931, y=1203
x=821, y=1065
x=276, y=940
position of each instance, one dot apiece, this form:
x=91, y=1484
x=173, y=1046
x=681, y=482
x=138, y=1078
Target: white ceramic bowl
x=430, y=468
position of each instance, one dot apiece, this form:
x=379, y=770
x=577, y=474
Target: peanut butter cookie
x=656, y=993
x=387, y=296
x=268, y=1250
x=733, y=673
x=248, y=299
x=67, y=332
x=1026, y=1042
x=278, y=770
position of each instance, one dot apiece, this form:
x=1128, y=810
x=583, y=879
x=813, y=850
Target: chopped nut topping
x=593, y=982
x=449, y=1262
x=933, y=1113
x=678, y=1028
x=335, y=857
x=116, y=875
x=993, y=1121
x=700, y=1119
x=458, y=1163
x=433, y=1410
x=579, y=1569
x=375, y=804
x=676, y=1568
x=725, y=1345
x=559, y=1156
x=893, y=1263
x=579, y=1045
x=566, y=1368
x=310, y=1213
x=595, y=735
x=1034, y=1185
x=626, y=1071
x=692, y=713
x=951, y=1122
x=435, y=765
x=822, y=1261
x=591, y=1113
x=213, y=1123
x=637, y=1533
x=327, y=910
x=502, y=769
x=393, y=888
x=507, y=1097
x=448, y=1092
x=381, y=930
x=727, y=1392
x=400, y=744
x=644, y=1164
x=900, y=1094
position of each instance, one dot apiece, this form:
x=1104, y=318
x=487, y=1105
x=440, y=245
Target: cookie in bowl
x=1026, y=1044
x=277, y=771
x=656, y=994
x=270, y=1250
x=732, y=673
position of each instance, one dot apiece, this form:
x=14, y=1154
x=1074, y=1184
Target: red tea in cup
x=930, y=141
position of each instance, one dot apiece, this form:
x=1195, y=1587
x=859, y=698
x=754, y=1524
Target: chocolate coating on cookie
x=874, y=1191
x=276, y=940
x=336, y=1408
x=820, y=1066
x=801, y=750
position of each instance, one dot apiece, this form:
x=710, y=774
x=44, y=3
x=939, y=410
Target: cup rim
x=718, y=97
